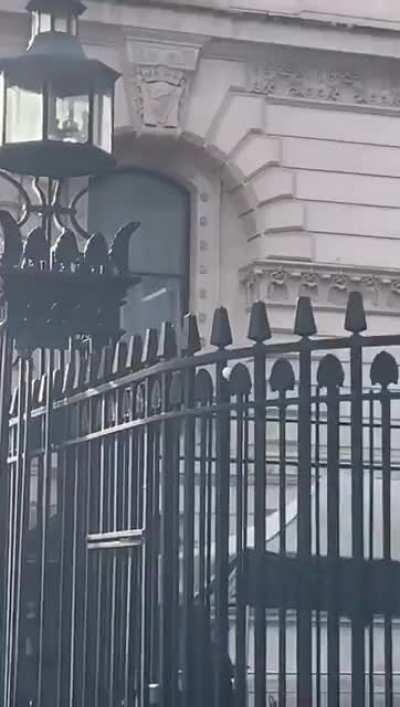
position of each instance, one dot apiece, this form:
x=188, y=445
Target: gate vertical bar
x=23, y=525
x=175, y=557
x=355, y=323
x=87, y=600
x=44, y=501
x=282, y=380
x=331, y=376
x=188, y=537
x=259, y=331
x=357, y=638
x=134, y=678
x=260, y=393
x=74, y=577
x=148, y=551
x=384, y=370
x=115, y=473
x=100, y=561
x=130, y=588
x=66, y=502
x=333, y=544
x=221, y=337
x=242, y=401
x=155, y=566
x=168, y=608
x=16, y=523
x=316, y=511
x=175, y=568
x=5, y=495
x=371, y=539
x=305, y=326
x=282, y=689
x=221, y=541
x=387, y=530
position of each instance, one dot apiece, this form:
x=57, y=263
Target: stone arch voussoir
x=252, y=171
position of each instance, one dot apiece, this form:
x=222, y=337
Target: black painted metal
x=177, y=532
x=52, y=290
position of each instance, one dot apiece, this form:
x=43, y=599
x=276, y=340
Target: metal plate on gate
x=345, y=586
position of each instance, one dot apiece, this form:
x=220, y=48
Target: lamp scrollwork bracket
x=48, y=204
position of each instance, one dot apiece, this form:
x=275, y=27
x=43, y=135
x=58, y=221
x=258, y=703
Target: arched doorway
x=159, y=250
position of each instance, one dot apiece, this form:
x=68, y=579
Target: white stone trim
x=281, y=282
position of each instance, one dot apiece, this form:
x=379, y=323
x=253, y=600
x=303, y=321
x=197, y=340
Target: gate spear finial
x=190, y=338
x=221, y=334
x=304, y=324
x=355, y=320
x=167, y=347
x=259, y=328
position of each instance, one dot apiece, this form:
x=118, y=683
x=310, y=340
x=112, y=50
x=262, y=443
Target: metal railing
x=210, y=528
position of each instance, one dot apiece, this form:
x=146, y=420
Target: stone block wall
x=286, y=133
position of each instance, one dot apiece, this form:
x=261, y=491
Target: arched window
x=159, y=250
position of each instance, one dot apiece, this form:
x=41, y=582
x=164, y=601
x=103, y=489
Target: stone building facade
x=280, y=120
x=273, y=128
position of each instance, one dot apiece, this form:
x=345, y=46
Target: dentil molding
x=282, y=282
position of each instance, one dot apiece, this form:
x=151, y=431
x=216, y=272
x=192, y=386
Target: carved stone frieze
x=326, y=84
x=327, y=285
x=160, y=75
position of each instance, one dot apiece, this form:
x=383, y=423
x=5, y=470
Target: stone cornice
x=349, y=21
x=282, y=282
x=223, y=20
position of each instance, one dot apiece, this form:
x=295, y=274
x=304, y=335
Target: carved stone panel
x=327, y=285
x=159, y=95
x=335, y=79
x=160, y=74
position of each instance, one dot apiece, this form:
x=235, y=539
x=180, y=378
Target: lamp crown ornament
x=57, y=122
x=55, y=15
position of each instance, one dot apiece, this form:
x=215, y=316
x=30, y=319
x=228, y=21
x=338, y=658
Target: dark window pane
x=159, y=249
x=152, y=301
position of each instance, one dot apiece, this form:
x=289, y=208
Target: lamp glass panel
x=73, y=26
x=24, y=114
x=68, y=118
x=60, y=23
x=44, y=22
x=102, y=120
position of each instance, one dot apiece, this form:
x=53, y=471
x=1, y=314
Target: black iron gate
x=211, y=528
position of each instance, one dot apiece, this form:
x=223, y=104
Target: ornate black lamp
x=56, y=105
x=56, y=121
